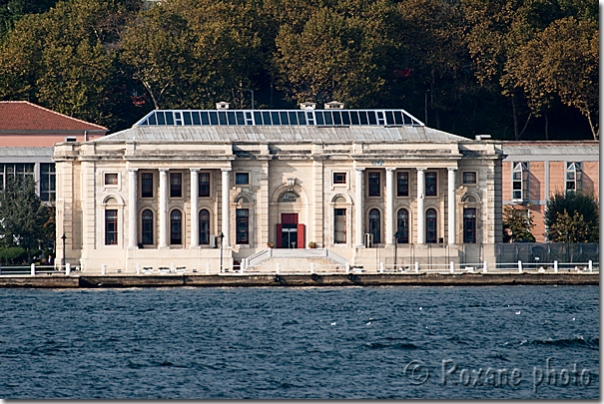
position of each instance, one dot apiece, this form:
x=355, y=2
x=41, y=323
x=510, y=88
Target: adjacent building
x=533, y=171
x=28, y=133
x=196, y=188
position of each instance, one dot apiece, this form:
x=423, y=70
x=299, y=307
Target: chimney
x=334, y=105
x=222, y=105
x=308, y=105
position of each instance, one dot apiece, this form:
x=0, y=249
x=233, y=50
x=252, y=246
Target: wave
x=566, y=342
x=400, y=345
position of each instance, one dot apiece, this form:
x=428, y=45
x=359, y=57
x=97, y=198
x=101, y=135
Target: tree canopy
x=512, y=68
x=25, y=221
x=573, y=217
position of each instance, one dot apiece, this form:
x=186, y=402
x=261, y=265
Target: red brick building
x=533, y=171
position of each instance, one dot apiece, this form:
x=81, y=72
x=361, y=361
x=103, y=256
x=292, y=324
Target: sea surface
x=526, y=342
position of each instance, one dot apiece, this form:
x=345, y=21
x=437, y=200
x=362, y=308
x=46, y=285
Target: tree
x=519, y=223
x=22, y=216
x=573, y=217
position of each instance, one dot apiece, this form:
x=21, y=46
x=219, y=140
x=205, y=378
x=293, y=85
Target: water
x=389, y=342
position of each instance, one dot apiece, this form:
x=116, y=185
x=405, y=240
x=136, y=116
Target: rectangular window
x=574, y=176
x=374, y=183
x=47, y=182
x=431, y=183
x=110, y=227
x=402, y=184
x=469, y=225
x=111, y=179
x=339, y=178
x=242, y=226
x=520, y=183
x=469, y=177
x=204, y=184
x=340, y=226
x=147, y=185
x=175, y=185
x=242, y=178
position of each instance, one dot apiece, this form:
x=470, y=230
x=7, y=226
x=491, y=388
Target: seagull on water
x=518, y=312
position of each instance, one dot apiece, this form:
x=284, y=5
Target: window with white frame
x=47, y=182
x=574, y=176
x=520, y=181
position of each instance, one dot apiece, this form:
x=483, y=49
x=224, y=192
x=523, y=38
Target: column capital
x=194, y=170
x=226, y=170
x=163, y=169
x=421, y=168
x=360, y=169
x=391, y=169
x=452, y=168
x=132, y=170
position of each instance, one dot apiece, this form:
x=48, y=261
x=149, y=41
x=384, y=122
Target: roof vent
x=222, y=105
x=481, y=137
x=334, y=105
x=71, y=139
x=308, y=105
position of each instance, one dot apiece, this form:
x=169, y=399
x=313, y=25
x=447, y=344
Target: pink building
x=28, y=133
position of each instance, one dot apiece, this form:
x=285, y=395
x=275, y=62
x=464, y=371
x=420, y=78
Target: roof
x=26, y=151
x=551, y=148
x=25, y=116
x=281, y=126
x=282, y=134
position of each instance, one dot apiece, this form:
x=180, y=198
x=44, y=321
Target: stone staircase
x=295, y=261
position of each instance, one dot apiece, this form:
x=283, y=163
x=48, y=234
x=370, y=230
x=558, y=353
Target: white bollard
x=103, y=269
x=556, y=266
x=33, y=269
x=138, y=269
x=416, y=266
x=452, y=267
x=172, y=270
x=484, y=267
x=277, y=267
x=312, y=267
x=519, y=266
x=67, y=269
x=590, y=266
x=381, y=267
x=207, y=268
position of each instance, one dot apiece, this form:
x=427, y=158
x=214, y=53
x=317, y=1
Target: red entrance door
x=290, y=233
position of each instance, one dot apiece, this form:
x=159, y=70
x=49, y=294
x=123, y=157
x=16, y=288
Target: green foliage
x=12, y=255
x=23, y=217
x=519, y=223
x=573, y=218
x=511, y=68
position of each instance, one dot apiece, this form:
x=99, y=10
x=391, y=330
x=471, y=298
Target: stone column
x=194, y=208
x=421, y=221
x=451, y=207
x=358, y=216
x=163, y=208
x=225, y=205
x=132, y=209
x=389, y=216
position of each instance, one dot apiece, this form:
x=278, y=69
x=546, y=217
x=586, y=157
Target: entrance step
x=295, y=260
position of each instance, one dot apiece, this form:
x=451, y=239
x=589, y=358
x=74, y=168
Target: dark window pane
x=402, y=232
x=231, y=118
x=161, y=120
x=354, y=117
x=319, y=117
x=153, y=119
x=469, y=177
x=292, y=118
x=175, y=185
x=431, y=226
x=258, y=117
x=204, y=227
x=328, y=118
x=169, y=118
x=240, y=119
x=110, y=227
x=266, y=118
x=284, y=118
x=187, y=118
x=176, y=227
x=339, y=178
x=213, y=118
x=389, y=118
x=147, y=227
x=430, y=184
x=345, y=118
x=374, y=184
x=469, y=225
x=242, y=178
x=402, y=184
x=363, y=117
x=301, y=118
x=205, y=119
x=374, y=225
x=398, y=117
x=340, y=226
x=275, y=118
x=222, y=118
x=242, y=226
x=147, y=185
x=371, y=116
x=204, y=184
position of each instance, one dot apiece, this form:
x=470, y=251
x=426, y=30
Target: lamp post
x=63, y=237
x=395, y=248
x=221, y=237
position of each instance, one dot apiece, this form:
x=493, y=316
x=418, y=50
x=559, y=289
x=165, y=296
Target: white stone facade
x=119, y=206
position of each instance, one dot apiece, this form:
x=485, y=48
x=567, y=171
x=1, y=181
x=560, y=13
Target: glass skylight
x=258, y=117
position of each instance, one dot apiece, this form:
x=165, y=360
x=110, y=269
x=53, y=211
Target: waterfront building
x=28, y=133
x=533, y=171
x=196, y=189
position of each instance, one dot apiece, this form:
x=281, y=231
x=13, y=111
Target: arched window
x=147, y=227
x=110, y=226
x=431, y=226
x=469, y=225
x=176, y=227
x=402, y=229
x=204, y=226
x=374, y=225
x=288, y=196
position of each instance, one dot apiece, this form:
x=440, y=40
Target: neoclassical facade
x=192, y=189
